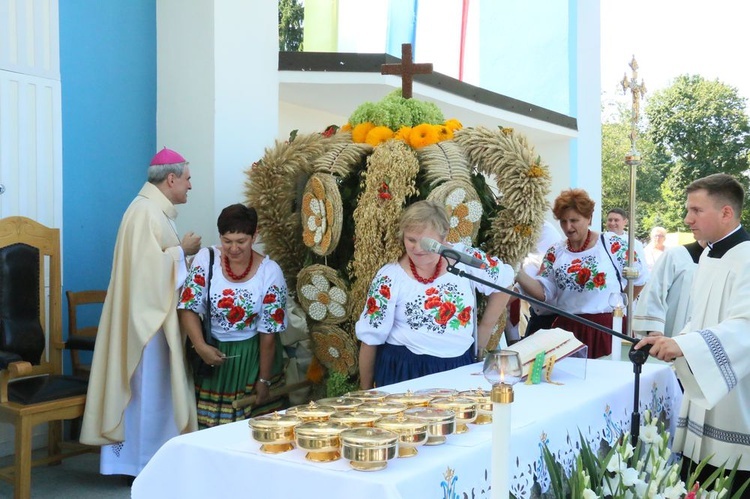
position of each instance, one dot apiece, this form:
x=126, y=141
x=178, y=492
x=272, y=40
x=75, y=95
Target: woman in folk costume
x=419, y=319
x=581, y=272
x=247, y=309
x=139, y=395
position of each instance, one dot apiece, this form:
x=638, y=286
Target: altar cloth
x=225, y=462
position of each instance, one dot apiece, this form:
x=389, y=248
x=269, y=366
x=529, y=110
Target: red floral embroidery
x=372, y=306
x=269, y=298
x=431, y=291
x=432, y=302
x=574, y=269
x=199, y=280
x=235, y=315
x=599, y=279
x=447, y=309
x=228, y=292
x=187, y=294
x=278, y=315
x=385, y=291
x=615, y=246
x=465, y=316
x=550, y=257
x=226, y=302
x=583, y=276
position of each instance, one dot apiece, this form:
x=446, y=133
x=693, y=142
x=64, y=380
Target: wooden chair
x=81, y=338
x=32, y=387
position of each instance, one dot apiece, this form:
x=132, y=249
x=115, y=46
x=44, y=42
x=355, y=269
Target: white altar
x=226, y=462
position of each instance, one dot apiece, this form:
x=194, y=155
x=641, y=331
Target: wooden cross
x=638, y=89
x=407, y=69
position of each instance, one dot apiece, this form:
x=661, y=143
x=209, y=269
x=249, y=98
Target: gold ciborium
x=464, y=408
x=356, y=418
x=483, y=404
x=368, y=449
x=440, y=422
x=312, y=412
x=368, y=395
x=321, y=440
x=435, y=393
x=384, y=408
x=410, y=399
x=411, y=431
x=274, y=431
x=341, y=403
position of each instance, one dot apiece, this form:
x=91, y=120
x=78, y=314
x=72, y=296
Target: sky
x=674, y=37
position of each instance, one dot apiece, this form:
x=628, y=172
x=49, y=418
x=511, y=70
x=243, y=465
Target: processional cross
x=637, y=89
x=407, y=69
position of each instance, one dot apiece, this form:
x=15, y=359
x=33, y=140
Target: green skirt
x=235, y=379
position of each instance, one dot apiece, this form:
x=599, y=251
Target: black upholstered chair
x=32, y=388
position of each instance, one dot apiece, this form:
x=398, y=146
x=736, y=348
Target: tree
x=701, y=126
x=291, y=20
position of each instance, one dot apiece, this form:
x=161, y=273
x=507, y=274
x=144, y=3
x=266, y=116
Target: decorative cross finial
x=637, y=89
x=407, y=69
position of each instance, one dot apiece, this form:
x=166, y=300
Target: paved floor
x=76, y=478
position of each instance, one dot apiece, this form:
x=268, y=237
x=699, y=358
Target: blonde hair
x=423, y=215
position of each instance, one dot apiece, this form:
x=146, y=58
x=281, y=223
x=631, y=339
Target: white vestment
x=664, y=303
x=714, y=417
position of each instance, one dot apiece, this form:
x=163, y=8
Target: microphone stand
x=637, y=357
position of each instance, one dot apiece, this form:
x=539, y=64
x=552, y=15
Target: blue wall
x=108, y=73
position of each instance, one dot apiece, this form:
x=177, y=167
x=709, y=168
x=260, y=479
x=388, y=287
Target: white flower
x=629, y=477
x=317, y=221
x=649, y=434
x=675, y=491
x=324, y=297
x=589, y=494
x=616, y=464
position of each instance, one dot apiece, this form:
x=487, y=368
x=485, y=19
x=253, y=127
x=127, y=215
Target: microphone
x=433, y=246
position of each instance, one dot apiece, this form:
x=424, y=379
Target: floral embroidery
x=274, y=305
x=377, y=300
x=619, y=249
x=442, y=308
x=492, y=263
x=195, y=283
x=580, y=274
x=231, y=311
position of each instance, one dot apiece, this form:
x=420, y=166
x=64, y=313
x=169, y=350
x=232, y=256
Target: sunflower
x=403, y=133
x=454, y=124
x=359, y=134
x=423, y=135
x=378, y=135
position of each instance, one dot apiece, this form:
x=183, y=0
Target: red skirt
x=599, y=343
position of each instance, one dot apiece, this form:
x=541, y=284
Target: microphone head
x=430, y=245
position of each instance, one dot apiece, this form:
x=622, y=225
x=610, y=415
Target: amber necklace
x=231, y=274
x=585, y=244
x=420, y=278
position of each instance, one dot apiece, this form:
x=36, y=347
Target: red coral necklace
x=585, y=244
x=419, y=277
x=231, y=274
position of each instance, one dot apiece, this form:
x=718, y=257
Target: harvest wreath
x=333, y=200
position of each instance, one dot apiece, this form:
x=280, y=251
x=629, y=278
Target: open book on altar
x=557, y=342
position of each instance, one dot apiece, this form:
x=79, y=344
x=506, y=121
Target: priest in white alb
x=712, y=353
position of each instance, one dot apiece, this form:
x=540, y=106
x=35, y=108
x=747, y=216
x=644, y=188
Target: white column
x=217, y=97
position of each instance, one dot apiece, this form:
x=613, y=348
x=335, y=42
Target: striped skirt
x=235, y=379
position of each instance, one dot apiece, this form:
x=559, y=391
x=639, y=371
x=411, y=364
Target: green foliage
x=395, y=112
x=291, y=20
x=340, y=384
x=693, y=128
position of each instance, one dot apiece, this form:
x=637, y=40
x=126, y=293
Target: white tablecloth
x=225, y=461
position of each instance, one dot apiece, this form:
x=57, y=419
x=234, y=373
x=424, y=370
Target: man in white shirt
x=617, y=221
